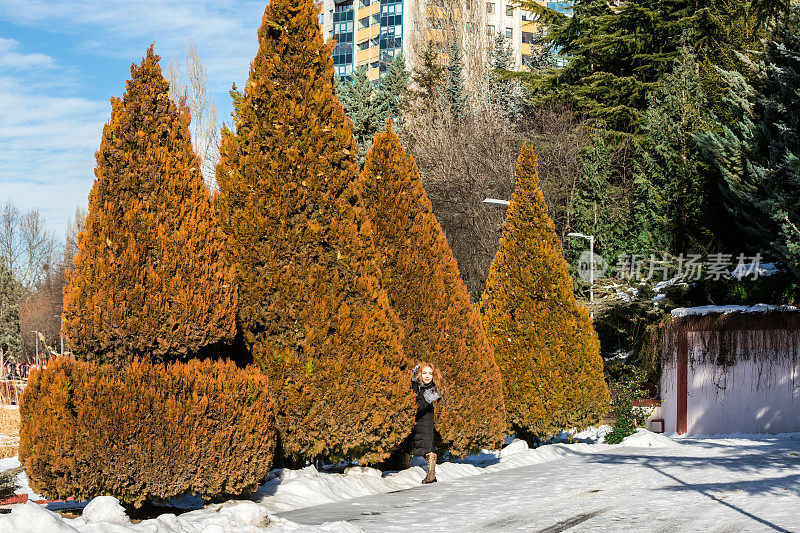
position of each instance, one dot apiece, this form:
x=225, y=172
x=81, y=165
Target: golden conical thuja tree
x=544, y=342
x=427, y=293
x=149, y=278
x=312, y=308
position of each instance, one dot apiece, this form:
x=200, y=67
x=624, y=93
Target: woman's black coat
x=422, y=438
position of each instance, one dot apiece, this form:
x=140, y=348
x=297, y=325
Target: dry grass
x=9, y=426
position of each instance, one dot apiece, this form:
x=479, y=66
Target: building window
x=509, y=33
x=490, y=29
x=509, y=11
x=363, y=46
x=363, y=23
x=490, y=7
x=528, y=16
x=528, y=37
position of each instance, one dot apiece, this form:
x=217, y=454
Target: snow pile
x=709, y=309
x=287, y=490
x=764, y=270
x=105, y=514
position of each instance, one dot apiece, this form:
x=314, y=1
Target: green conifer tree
x=10, y=293
x=454, y=93
x=149, y=278
x=548, y=352
x=312, y=308
x=392, y=95
x=669, y=163
x=425, y=289
x=428, y=76
x=505, y=94
x=357, y=98
x=757, y=155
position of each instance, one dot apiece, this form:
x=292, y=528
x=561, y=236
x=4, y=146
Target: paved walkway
x=697, y=485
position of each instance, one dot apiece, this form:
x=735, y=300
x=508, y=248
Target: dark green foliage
x=147, y=431
x=8, y=482
x=391, y=98
x=428, y=76
x=626, y=417
x=757, y=154
x=669, y=169
x=617, y=55
x=505, y=94
x=454, y=94
x=356, y=96
x=10, y=293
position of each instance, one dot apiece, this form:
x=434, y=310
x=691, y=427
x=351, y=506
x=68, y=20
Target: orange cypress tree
x=544, y=342
x=311, y=308
x=149, y=277
x=427, y=293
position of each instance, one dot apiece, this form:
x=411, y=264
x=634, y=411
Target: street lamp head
x=496, y=201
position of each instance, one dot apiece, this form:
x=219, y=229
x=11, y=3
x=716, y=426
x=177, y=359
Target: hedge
x=146, y=432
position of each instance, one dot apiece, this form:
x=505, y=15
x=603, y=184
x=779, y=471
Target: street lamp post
x=590, y=238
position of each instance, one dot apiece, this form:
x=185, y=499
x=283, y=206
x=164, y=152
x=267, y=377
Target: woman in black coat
x=426, y=382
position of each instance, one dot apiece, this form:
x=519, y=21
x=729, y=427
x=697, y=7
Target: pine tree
x=425, y=289
x=757, y=154
x=669, y=163
x=454, y=93
x=548, y=352
x=428, y=76
x=149, y=280
x=312, y=308
x=392, y=95
x=357, y=98
x=10, y=293
x=505, y=94
x=617, y=55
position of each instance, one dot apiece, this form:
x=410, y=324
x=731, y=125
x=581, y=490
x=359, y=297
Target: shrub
x=625, y=416
x=424, y=287
x=148, y=431
x=149, y=277
x=312, y=308
x=548, y=352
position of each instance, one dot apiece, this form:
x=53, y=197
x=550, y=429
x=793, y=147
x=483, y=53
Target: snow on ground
x=685, y=482
x=743, y=483
x=708, y=309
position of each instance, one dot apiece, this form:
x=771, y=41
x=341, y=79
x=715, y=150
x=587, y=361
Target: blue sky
x=61, y=62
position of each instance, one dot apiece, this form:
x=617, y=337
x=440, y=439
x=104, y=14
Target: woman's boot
x=430, y=460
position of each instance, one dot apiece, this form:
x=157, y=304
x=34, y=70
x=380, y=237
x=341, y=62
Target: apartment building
x=372, y=32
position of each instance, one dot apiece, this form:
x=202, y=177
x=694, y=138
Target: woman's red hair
x=437, y=376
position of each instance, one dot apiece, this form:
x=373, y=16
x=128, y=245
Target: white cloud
x=50, y=130
x=10, y=59
x=48, y=144
x=224, y=32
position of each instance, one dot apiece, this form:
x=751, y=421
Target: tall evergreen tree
x=616, y=55
x=505, y=94
x=312, y=308
x=454, y=93
x=10, y=335
x=758, y=154
x=426, y=290
x=392, y=95
x=428, y=76
x=149, y=278
x=356, y=96
x=669, y=163
x=544, y=342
